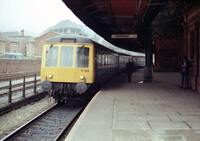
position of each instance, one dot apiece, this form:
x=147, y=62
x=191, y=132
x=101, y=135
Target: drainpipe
x=197, y=56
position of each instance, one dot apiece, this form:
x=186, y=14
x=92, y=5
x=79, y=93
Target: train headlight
x=82, y=77
x=50, y=76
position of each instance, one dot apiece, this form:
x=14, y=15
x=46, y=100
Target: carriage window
x=66, y=59
x=82, y=57
x=51, y=56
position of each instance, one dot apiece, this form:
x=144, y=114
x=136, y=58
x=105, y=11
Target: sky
x=33, y=16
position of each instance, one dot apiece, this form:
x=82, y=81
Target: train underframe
x=62, y=92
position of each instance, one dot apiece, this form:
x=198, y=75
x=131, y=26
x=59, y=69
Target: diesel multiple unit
x=72, y=64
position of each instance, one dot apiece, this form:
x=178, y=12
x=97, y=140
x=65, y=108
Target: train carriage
x=71, y=64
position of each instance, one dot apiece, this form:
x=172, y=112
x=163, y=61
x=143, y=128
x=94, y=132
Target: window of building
x=171, y=56
x=72, y=31
x=65, y=30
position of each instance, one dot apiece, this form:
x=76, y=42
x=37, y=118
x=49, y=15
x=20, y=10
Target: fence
x=21, y=87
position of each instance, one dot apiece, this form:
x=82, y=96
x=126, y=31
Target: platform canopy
x=141, y=20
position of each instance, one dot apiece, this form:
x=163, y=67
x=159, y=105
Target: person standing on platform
x=129, y=69
x=185, y=71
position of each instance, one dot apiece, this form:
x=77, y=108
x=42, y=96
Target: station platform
x=137, y=111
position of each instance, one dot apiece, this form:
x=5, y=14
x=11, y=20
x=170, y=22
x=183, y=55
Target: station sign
x=117, y=36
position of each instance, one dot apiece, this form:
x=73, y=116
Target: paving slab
x=185, y=118
x=142, y=118
x=194, y=124
x=175, y=125
x=137, y=111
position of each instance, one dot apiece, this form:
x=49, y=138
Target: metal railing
x=21, y=87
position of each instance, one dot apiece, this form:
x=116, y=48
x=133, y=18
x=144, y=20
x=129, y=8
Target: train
x=74, y=64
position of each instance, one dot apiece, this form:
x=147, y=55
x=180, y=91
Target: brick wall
x=9, y=66
x=39, y=41
x=192, y=43
x=168, y=53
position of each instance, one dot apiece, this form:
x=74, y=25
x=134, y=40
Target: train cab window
x=82, y=57
x=66, y=59
x=51, y=56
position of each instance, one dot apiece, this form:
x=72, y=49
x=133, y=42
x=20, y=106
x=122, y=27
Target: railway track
x=17, y=75
x=49, y=125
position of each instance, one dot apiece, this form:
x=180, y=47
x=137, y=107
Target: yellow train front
x=67, y=68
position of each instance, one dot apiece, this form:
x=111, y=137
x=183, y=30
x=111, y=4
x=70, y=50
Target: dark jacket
x=186, y=68
x=129, y=67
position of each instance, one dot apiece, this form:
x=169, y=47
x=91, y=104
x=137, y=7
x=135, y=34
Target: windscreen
x=82, y=57
x=51, y=56
x=66, y=59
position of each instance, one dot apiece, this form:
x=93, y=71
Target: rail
x=27, y=124
x=53, y=123
x=17, y=75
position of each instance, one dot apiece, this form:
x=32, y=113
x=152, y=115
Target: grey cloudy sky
x=33, y=15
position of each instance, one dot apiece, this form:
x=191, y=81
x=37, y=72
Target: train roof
x=75, y=38
x=66, y=38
